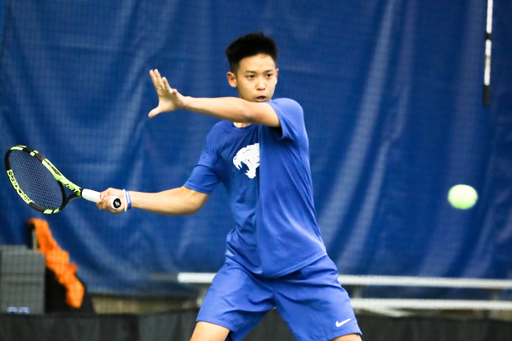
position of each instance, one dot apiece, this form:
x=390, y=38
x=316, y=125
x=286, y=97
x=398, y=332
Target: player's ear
x=232, y=79
x=277, y=72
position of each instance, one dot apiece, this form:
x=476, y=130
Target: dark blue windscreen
x=392, y=95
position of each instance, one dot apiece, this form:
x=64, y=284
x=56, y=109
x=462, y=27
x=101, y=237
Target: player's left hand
x=169, y=99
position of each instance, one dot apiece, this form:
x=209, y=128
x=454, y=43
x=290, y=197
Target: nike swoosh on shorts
x=339, y=324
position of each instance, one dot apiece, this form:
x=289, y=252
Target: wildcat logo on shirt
x=250, y=156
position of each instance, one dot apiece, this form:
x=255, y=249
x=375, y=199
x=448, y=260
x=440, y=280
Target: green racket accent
x=59, y=177
x=55, y=172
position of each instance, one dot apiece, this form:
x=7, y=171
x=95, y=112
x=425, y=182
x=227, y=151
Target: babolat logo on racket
x=14, y=183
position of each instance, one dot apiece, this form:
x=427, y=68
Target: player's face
x=255, y=79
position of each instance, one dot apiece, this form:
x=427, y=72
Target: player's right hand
x=106, y=198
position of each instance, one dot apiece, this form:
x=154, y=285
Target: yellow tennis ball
x=462, y=196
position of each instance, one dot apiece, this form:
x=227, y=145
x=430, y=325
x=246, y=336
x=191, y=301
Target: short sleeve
x=291, y=117
x=203, y=179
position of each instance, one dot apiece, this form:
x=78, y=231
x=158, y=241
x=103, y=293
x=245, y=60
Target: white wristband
x=127, y=200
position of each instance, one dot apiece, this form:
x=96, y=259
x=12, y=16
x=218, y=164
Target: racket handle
x=89, y=194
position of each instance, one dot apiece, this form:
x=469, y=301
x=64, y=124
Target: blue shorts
x=311, y=301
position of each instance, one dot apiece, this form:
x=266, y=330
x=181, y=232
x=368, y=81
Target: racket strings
x=35, y=180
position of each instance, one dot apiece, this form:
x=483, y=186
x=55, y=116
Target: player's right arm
x=176, y=201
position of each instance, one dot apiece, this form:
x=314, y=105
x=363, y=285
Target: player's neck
x=241, y=125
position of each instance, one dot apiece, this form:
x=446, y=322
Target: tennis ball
x=462, y=196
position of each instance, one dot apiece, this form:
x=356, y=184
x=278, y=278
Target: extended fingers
x=165, y=84
x=159, y=82
x=157, y=79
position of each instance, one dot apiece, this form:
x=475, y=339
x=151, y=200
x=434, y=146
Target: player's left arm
x=227, y=108
x=234, y=109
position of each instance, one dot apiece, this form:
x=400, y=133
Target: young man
x=275, y=256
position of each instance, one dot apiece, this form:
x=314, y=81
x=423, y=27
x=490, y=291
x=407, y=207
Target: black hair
x=250, y=45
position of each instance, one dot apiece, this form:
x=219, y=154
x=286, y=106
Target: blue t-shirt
x=267, y=175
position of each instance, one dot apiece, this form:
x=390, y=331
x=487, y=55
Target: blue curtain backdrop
x=392, y=93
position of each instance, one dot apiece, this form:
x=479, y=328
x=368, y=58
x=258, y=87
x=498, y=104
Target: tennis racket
x=40, y=184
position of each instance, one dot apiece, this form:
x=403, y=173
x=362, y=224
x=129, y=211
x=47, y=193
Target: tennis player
x=275, y=256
